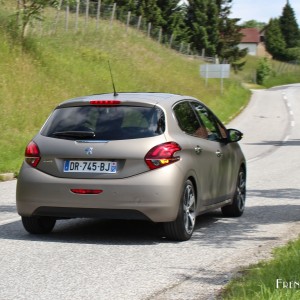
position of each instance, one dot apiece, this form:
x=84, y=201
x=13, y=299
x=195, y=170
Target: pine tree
x=123, y=7
x=254, y=24
x=224, y=7
x=228, y=46
x=275, y=43
x=289, y=26
x=196, y=22
x=212, y=28
x=173, y=23
x=169, y=9
x=149, y=10
x=230, y=36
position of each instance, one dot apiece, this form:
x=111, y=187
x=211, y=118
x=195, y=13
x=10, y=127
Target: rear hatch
x=103, y=140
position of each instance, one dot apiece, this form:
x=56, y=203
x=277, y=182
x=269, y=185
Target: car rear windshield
x=105, y=123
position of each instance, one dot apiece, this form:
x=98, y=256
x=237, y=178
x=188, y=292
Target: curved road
x=88, y=259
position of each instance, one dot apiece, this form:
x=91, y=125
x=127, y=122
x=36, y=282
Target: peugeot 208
x=150, y=156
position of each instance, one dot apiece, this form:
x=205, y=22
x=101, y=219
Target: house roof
x=250, y=35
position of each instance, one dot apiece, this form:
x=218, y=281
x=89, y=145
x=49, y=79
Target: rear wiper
x=75, y=134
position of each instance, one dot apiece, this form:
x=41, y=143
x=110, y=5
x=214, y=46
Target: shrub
x=263, y=70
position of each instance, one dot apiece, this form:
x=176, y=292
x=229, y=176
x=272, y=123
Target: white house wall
x=252, y=48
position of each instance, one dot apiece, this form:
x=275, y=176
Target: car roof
x=164, y=99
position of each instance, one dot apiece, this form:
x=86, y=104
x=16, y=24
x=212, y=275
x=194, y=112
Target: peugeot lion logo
x=89, y=150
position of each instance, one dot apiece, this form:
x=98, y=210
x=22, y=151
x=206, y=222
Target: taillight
x=162, y=155
x=32, y=154
x=105, y=102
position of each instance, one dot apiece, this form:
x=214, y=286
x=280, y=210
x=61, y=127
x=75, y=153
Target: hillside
x=51, y=68
x=54, y=65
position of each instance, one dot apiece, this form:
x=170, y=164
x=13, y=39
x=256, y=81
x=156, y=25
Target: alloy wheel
x=189, y=215
x=241, y=191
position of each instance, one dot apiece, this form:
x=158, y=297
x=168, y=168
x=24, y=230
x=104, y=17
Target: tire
x=38, y=225
x=236, y=209
x=182, y=228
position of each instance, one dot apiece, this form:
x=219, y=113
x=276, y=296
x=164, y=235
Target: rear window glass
x=105, y=123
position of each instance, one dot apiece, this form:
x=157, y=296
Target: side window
x=209, y=122
x=187, y=120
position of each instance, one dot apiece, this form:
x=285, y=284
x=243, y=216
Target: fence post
x=171, y=40
x=18, y=12
x=181, y=47
x=113, y=14
x=149, y=29
x=67, y=16
x=188, y=49
x=57, y=14
x=98, y=14
x=87, y=9
x=77, y=14
x=128, y=20
x=160, y=35
x=139, y=23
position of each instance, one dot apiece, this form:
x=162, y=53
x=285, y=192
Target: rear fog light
x=86, y=191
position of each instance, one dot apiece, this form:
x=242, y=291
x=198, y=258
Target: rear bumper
x=154, y=195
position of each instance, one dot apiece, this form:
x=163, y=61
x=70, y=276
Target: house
x=253, y=40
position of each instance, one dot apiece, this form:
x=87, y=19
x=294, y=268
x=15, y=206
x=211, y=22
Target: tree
x=212, y=28
x=254, y=24
x=263, y=70
x=168, y=10
x=150, y=11
x=196, y=20
x=230, y=36
x=123, y=7
x=228, y=46
x=202, y=22
x=29, y=10
x=224, y=7
x=173, y=19
x=289, y=26
x=275, y=43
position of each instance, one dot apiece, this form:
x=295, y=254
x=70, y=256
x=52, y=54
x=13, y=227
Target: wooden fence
x=81, y=15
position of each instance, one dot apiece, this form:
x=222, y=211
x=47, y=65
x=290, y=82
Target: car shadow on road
x=287, y=193
x=102, y=232
x=211, y=228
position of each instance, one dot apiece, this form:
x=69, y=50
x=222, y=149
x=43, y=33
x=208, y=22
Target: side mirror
x=234, y=135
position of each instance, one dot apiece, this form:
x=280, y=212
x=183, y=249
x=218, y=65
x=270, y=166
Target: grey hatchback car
x=140, y=156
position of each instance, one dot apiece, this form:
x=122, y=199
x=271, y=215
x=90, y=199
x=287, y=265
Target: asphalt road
x=89, y=259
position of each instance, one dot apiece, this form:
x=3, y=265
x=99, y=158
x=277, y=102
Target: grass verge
x=277, y=279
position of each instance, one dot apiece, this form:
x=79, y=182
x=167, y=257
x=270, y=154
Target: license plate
x=79, y=166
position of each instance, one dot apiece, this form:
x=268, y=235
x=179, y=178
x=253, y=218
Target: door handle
x=198, y=149
x=219, y=153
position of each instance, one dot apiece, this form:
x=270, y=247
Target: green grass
x=282, y=73
x=277, y=279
